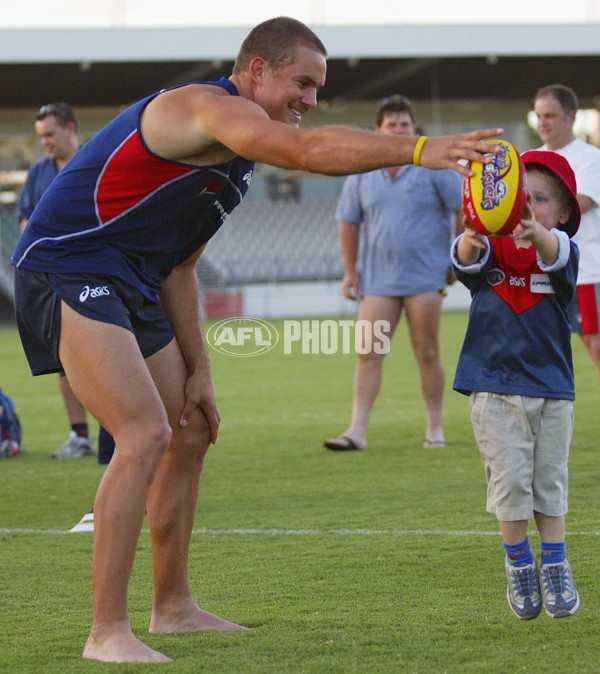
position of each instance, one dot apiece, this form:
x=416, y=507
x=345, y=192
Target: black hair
x=62, y=111
x=395, y=103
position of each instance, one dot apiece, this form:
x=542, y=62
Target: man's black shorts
x=101, y=298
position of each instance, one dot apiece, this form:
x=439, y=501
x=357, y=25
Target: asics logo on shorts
x=98, y=291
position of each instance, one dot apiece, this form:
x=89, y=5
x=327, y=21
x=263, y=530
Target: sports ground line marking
x=308, y=532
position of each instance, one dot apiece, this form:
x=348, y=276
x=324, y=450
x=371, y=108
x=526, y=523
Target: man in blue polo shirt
x=56, y=127
x=395, y=227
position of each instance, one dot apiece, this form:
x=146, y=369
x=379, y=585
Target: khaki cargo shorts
x=524, y=443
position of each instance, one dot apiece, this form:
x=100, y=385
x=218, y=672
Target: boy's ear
x=565, y=215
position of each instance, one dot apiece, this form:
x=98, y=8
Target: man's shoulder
x=355, y=179
x=447, y=176
x=581, y=148
x=41, y=165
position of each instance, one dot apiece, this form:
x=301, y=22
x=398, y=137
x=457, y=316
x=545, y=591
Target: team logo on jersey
x=98, y=291
x=495, y=277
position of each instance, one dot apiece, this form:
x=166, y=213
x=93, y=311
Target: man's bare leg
x=75, y=410
x=171, y=510
x=369, y=366
x=423, y=317
x=109, y=376
x=116, y=531
x=592, y=345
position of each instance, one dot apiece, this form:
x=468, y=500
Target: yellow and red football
x=494, y=197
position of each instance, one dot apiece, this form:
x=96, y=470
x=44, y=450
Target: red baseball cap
x=561, y=168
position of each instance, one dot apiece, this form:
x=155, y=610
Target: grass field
x=369, y=562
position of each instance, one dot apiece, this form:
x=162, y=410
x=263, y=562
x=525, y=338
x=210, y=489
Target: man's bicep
x=247, y=130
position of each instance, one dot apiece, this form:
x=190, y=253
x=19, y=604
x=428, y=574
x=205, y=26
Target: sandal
x=341, y=444
x=433, y=444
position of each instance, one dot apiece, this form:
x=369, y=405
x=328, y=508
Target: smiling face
x=289, y=91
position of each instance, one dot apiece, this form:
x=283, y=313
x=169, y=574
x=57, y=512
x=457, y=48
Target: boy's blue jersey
x=118, y=209
x=518, y=339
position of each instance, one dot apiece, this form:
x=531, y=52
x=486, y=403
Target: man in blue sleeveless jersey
x=106, y=291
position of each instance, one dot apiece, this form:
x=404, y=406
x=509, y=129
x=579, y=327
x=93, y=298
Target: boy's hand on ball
x=474, y=237
x=528, y=226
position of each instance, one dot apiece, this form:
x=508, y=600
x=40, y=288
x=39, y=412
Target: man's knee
x=195, y=437
x=145, y=446
x=427, y=353
x=370, y=357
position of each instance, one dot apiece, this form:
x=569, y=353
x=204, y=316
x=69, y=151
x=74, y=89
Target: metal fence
x=9, y=233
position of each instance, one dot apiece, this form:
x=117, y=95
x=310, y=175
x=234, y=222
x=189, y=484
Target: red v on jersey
x=511, y=275
x=120, y=189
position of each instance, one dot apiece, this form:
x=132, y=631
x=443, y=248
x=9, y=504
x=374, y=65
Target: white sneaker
x=523, y=590
x=74, y=448
x=560, y=596
x=10, y=448
x=85, y=524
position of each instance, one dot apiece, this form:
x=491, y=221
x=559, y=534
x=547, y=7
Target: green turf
x=375, y=561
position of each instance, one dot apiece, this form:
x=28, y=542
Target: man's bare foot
x=193, y=619
x=121, y=648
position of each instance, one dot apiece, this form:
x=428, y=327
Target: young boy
x=516, y=366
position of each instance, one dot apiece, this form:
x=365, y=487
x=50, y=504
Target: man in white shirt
x=556, y=107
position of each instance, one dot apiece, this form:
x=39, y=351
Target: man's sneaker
x=523, y=590
x=85, y=524
x=74, y=448
x=558, y=588
x=9, y=448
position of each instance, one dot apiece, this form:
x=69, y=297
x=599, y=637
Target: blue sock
x=553, y=553
x=519, y=554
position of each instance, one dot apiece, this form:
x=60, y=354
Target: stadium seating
x=265, y=242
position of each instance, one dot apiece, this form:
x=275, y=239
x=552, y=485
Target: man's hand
x=447, y=151
x=199, y=393
x=351, y=285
